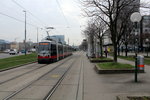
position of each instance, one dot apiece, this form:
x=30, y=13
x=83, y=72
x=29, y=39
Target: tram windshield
x=44, y=47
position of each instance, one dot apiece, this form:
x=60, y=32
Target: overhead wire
x=40, y=19
x=11, y=17
x=62, y=12
x=59, y=6
x=1, y=13
x=29, y=12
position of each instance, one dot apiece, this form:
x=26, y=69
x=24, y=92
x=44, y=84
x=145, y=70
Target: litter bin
x=140, y=62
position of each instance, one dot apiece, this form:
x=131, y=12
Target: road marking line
x=55, y=76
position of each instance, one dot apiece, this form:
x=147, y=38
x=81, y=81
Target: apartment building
x=145, y=31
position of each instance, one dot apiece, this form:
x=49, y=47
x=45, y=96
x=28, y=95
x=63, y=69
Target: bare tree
x=100, y=28
x=89, y=33
x=83, y=45
x=96, y=28
x=126, y=29
x=112, y=10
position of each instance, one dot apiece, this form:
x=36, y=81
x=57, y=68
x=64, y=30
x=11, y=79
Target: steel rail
x=78, y=86
x=83, y=81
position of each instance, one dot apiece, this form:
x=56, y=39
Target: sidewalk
x=107, y=87
x=133, y=53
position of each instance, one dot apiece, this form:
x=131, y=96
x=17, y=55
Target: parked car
x=13, y=52
x=22, y=51
x=32, y=50
x=6, y=51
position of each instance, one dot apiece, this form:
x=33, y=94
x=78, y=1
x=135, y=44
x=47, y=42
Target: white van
x=13, y=52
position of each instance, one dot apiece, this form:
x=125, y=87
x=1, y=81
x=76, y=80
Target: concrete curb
x=115, y=71
x=97, y=61
x=17, y=66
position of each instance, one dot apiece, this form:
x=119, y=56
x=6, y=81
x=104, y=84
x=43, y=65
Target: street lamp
x=37, y=35
x=135, y=18
x=147, y=41
x=25, y=33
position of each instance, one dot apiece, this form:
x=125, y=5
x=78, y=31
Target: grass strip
x=147, y=61
x=113, y=65
x=130, y=58
x=17, y=60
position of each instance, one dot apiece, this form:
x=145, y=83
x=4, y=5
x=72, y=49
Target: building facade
x=14, y=45
x=4, y=45
x=145, y=31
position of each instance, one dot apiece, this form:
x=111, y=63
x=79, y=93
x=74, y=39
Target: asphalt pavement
x=7, y=55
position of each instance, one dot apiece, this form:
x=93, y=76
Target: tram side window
x=60, y=49
x=53, y=49
x=65, y=49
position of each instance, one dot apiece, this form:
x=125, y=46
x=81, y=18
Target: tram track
x=4, y=72
x=29, y=84
x=58, y=82
x=22, y=74
x=72, y=86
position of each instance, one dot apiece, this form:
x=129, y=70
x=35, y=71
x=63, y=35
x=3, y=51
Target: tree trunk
x=126, y=49
x=118, y=50
x=101, y=47
x=115, y=52
x=92, y=43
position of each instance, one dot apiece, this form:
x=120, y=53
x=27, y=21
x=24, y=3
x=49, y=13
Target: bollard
x=140, y=62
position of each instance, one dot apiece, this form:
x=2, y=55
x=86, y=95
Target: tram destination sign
x=43, y=43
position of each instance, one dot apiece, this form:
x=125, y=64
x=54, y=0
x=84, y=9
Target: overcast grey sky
x=46, y=13
x=64, y=15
